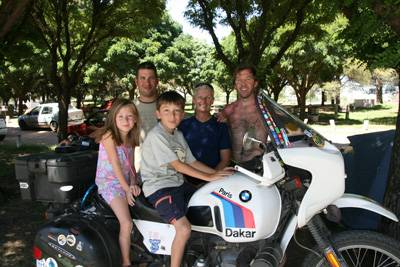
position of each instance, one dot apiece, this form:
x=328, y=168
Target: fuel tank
x=236, y=208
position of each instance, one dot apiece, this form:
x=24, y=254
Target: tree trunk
x=276, y=96
x=228, y=93
x=392, y=194
x=63, y=104
x=379, y=98
x=323, y=98
x=337, y=98
x=79, y=99
x=301, y=102
x=20, y=106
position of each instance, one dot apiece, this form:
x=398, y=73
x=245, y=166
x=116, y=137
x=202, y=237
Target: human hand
x=135, y=189
x=129, y=197
x=221, y=173
x=221, y=117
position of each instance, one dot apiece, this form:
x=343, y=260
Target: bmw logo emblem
x=245, y=196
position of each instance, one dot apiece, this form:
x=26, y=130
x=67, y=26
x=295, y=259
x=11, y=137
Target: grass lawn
x=385, y=114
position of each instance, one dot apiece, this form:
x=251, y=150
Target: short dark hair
x=241, y=67
x=170, y=97
x=147, y=65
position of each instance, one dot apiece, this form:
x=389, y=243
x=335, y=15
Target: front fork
x=321, y=234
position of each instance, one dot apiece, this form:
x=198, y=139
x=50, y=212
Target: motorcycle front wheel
x=361, y=248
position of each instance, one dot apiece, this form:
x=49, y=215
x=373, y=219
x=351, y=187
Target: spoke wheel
x=362, y=249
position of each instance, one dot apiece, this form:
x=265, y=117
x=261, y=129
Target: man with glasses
x=207, y=138
x=243, y=116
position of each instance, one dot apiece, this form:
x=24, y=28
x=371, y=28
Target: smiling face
x=125, y=119
x=203, y=99
x=170, y=115
x=245, y=83
x=146, y=82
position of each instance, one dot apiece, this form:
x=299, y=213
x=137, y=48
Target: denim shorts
x=171, y=202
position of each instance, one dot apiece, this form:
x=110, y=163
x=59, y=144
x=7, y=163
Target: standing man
x=146, y=81
x=207, y=138
x=243, y=115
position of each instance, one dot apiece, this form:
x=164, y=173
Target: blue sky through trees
x=176, y=8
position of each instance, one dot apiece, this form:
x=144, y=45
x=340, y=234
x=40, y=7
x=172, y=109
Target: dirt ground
x=19, y=222
x=19, y=219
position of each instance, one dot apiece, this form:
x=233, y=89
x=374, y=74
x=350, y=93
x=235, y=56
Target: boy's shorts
x=171, y=202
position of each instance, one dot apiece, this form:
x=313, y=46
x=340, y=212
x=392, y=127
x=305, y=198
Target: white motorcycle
x=246, y=219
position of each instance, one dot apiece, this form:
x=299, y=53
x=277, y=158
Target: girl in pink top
x=116, y=177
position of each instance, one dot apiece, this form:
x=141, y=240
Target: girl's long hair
x=110, y=127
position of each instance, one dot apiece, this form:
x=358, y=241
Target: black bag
x=78, y=239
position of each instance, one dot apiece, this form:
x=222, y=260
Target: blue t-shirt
x=206, y=139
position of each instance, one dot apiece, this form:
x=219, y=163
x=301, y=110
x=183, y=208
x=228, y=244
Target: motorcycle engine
x=212, y=250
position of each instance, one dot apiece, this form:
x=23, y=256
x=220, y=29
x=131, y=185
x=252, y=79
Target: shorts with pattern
x=110, y=190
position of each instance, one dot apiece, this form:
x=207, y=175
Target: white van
x=46, y=116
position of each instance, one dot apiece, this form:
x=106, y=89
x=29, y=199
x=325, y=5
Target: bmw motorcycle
x=246, y=219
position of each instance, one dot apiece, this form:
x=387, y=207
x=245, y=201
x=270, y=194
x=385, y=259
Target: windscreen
x=285, y=129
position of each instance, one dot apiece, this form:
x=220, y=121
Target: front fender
x=357, y=201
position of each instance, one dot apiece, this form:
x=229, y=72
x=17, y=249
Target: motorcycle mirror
x=249, y=141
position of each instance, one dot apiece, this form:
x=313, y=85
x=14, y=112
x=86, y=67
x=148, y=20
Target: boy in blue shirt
x=165, y=157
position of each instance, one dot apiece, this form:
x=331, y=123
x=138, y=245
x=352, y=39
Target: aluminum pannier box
x=56, y=177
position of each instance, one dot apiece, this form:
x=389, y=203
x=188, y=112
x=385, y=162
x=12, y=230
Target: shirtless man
x=243, y=115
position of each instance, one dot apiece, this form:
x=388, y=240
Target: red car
x=93, y=122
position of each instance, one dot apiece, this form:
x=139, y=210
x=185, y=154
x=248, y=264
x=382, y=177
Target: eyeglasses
x=205, y=98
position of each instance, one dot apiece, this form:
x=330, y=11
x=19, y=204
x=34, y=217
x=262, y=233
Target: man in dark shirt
x=208, y=139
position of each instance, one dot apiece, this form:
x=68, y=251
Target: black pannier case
x=48, y=177
x=78, y=240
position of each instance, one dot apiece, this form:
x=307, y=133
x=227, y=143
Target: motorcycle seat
x=143, y=210
x=103, y=206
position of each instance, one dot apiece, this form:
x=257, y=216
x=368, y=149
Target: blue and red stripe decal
x=236, y=216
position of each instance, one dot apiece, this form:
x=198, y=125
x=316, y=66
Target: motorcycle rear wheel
x=361, y=248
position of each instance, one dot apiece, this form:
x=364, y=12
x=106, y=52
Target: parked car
x=46, y=116
x=94, y=121
x=3, y=129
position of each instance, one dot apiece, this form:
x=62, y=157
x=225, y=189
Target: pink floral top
x=106, y=180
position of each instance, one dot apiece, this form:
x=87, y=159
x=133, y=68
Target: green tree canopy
x=73, y=32
x=258, y=26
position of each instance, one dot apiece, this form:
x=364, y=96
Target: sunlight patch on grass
x=11, y=248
